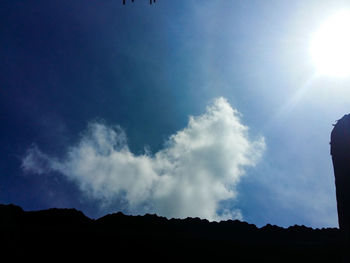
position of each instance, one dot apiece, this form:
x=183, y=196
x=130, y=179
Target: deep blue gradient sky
x=65, y=64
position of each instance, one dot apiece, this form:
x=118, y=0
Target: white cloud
x=198, y=168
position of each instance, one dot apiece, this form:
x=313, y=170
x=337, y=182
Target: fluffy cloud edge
x=199, y=167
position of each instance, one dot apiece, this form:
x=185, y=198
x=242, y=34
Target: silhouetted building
x=340, y=151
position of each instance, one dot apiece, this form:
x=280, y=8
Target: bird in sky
x=150, y=1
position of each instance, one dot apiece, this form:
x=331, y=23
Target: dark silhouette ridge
x=68, y=233
x=340, y=151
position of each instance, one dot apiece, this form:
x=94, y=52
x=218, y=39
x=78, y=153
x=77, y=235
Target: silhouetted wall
x=340, y=151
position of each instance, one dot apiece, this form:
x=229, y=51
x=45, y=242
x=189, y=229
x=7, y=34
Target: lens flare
x=330, y=46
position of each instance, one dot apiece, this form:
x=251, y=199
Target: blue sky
x=120, y=82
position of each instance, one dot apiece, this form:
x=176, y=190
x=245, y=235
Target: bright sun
x=330, y=46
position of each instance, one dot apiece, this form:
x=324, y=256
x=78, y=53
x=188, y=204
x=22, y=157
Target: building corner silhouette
x=340, y=151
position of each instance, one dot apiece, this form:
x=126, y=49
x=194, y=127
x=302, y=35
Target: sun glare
x=330, y=46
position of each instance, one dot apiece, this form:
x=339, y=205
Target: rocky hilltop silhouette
x=68, y=233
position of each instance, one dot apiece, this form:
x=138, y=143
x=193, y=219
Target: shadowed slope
x=67, y=232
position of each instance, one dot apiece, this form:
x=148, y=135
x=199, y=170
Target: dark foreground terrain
x=68, y=234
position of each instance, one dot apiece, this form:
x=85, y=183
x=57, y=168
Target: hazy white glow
x=330, y=46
